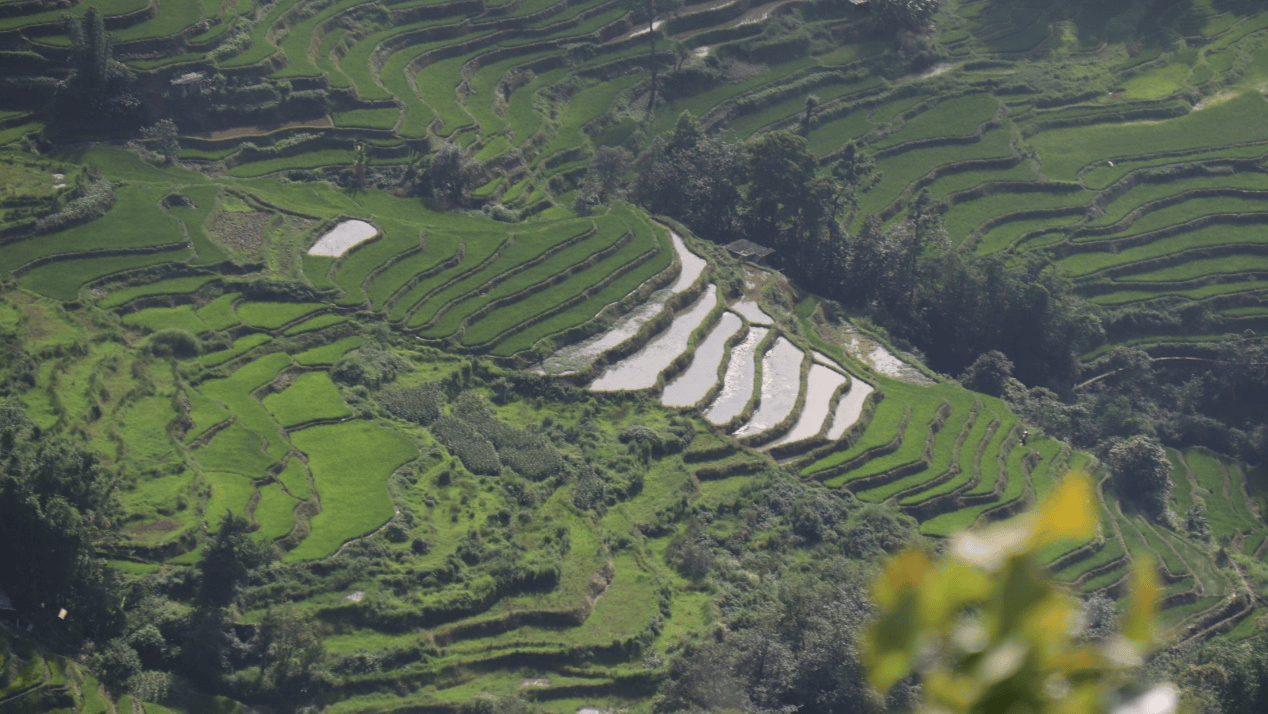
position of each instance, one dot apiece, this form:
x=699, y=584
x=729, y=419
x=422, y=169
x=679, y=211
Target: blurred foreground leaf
x=986, y=630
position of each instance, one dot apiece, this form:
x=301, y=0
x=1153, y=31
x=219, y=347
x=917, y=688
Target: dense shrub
x=463, y=441
x=97, y=198
x=370, y=366
x=528, y=454
x=420, y=404
x=589, y=492
x=498, y=212
x=1141, y=474
x=174, y=342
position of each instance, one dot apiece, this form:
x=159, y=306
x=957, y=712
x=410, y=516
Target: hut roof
x=748, y=249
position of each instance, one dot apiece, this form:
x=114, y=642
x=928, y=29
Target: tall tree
x=56, y=505
x=449, y=175
x=694, y=178
x=291, y=651
x=228, y=558
x=905, y=14
x=780, y=168
x=1142, y=474
x=166, y=137
x=648, y=11
x=604, y=177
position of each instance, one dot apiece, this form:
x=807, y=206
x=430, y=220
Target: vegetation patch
x=350, y=463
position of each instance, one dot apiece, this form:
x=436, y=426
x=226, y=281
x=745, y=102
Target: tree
x=909, y=14
x=359, y=163
x=166, y=137
x=56, y=505
x=93, y=52
x=648, y=11
x=687, y=134
x=291, y=651
x=695, y=179
x=449, y=175
x=987, y=631
x=227, y=560
x=603, y=179
x=97, y=88
x=989, y=373
x=780, y=168
x=1142, y=474
x=808, y=113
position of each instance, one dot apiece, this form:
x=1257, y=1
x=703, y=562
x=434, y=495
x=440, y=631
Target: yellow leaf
x=1069, y=512
x=890, y=643
x=956, y=586
x=947, y=688
x=1080, y=660
x=904, y=572
x=1142, y=605
x=1049, y=625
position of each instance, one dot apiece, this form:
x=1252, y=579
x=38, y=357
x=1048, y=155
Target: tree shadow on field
x=1139, y=23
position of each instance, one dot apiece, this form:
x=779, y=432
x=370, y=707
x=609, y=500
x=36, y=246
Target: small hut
x=750, y=251
x=188, y=84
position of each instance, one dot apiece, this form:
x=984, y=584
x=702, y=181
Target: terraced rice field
x=1143, y=181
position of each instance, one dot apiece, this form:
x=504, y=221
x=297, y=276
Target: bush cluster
x=526, y=453
x=468, y=444
x=420, y=404
x=369, y=366
x=98, y=198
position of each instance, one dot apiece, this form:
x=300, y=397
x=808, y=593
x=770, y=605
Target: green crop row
x=919, y=424
x=646, y=239
x=62, y=279
x=240, y=346
x=272, y=315
x=162, y=318
x=947, y=445
x=554, y=265
x=173, y=286
x=1064, y=151
x=350, y=463
x=328, y=354
x=960, y=116
x=1082, y=264
x=310, y=397
x=518, y=249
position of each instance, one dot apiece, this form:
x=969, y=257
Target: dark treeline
x=791, y=610
x=1006, y=325
x=57, y=505
x=905, y=275
x=1216, y=398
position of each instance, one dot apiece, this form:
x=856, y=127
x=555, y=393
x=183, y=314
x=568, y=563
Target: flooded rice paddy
x=342, y=238
x=737, y=383
x=821, y=384
x=850, y=408
x=641, y=369
x=695, y=382
x=578, y=356
x=692, y=264
x=751, y=312
x=881, y=359
x=825, y=360
x=781, y=383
